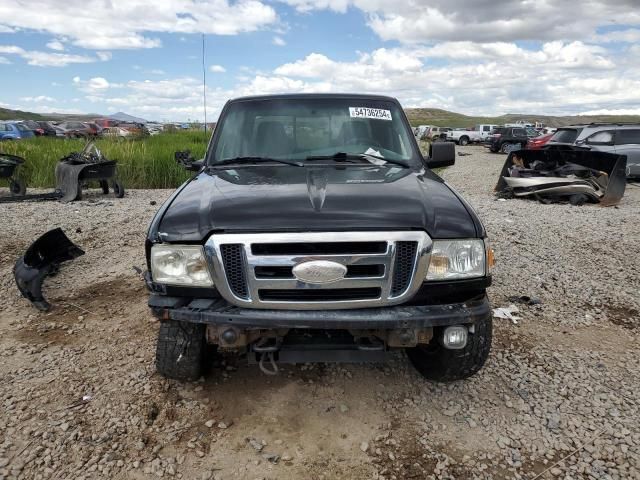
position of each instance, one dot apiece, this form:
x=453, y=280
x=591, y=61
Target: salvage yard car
x=618, y=138
x=315, y=231
x=507, y=139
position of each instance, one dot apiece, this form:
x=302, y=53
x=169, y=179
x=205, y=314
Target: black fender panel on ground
x=41, y=259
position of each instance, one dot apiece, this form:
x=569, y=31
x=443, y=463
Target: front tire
x=180, y=351
x=438, y=363
x=463, y=141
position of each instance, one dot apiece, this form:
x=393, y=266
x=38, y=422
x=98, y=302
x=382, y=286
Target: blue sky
x=480, y=57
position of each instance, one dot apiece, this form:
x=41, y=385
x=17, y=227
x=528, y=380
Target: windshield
x=297, y=128
x=565, y=135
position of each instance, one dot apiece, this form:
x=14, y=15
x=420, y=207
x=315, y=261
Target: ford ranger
x=315, y=231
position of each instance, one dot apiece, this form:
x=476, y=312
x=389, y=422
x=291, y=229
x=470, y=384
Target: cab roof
x=304, y=96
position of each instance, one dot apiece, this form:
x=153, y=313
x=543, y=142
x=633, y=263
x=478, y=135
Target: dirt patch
x=624, y=316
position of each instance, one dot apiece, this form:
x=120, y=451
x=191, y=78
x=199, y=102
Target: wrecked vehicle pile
x=73, y=173
x=559, y=175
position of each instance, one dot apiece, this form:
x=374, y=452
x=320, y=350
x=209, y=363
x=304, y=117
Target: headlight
x=457, y=259
x=180, y=265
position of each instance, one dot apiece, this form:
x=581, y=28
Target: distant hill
x=6, y=114
x=125, y=117
x=417, y=116
x=444, y=118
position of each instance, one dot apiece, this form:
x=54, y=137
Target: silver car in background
x=618, y=138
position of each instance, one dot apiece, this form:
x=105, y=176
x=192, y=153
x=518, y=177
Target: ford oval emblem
x=319, y=271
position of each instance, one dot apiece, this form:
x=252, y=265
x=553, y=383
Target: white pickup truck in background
x=464, y=137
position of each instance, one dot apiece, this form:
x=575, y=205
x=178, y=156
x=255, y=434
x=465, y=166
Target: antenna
x=204, y=86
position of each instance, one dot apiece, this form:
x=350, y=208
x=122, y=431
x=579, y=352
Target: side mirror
x=187, y=161
x=441, y=154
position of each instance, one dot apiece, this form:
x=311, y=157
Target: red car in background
x=536, y=143
x=106, y=122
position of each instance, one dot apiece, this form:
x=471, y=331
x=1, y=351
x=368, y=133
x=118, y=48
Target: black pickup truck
x=315, y=231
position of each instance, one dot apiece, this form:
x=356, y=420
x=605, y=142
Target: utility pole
x=204, y=86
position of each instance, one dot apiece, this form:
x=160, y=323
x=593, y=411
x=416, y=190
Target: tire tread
x=180, y=350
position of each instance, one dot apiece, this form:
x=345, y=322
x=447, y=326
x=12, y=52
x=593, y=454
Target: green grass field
x=142, y=163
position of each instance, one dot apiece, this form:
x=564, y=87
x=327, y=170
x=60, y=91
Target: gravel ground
x=558, y=397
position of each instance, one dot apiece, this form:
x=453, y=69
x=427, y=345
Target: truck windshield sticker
x=365, y=112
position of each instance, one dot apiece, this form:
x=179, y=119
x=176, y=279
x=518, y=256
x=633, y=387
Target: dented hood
x=315, y=198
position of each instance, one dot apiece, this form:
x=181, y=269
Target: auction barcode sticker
x=365, y=112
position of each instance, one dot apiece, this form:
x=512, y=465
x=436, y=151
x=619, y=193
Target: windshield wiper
x=343, y=156
x=255, y=159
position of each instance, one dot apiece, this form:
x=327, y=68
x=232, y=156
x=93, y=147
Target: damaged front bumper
x=573, y=174
x=219, y=312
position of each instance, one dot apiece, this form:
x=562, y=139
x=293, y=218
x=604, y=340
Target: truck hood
x=314, y=198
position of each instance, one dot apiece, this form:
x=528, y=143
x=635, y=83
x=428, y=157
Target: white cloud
x=618, y=111
x=4, y=60
x=217, y=69
x=129, y=24
x=629, y=35
x=279, y=41
x=497, y=78
x=45, y=59
x=104, y=56
x=418, y=21
x=94, y=86
x=38, y=99
x=56, y=45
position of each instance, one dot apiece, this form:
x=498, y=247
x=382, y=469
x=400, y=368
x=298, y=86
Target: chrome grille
x=255, y=270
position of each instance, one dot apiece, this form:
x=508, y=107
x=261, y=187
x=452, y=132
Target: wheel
x=105, y=187
x=438, y=363
x=506, y=147
x=118, y=189
x=180, y=351
x=464, y=140
x=17, y=187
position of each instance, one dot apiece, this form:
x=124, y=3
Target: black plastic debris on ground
x=43, y=258
x=571, y=175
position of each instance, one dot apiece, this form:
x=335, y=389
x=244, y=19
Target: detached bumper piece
x=43, y=258
x=72, y=172
x=569, y=174
x=219, y=312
